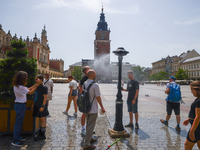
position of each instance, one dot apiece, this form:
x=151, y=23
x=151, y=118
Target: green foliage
x=77, y=73
x=162, y=75
x=138, y=72
x=17, y=60
x=181, y=75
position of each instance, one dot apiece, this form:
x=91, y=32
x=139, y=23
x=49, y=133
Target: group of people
x=173, y=103
x=42, y=91
x=86, y=83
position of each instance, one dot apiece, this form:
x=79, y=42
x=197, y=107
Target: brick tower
x=102, y=50
x=102, y=40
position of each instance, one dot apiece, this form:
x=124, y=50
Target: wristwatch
x=43, y=106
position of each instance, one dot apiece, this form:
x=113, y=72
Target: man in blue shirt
x=171, y=104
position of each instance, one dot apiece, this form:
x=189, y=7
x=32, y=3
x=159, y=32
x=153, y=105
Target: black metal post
x=118, y=129
x=119, y=102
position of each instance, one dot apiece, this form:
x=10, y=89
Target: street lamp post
x=118, y=130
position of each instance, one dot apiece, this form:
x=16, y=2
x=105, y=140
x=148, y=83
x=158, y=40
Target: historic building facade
x=188, y=61
x=38, y=49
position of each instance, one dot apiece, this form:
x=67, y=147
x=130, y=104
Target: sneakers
x=178, y=128
x=22, y=139
x=130, y=125
x=136, y=126
x=83, y=132
x=38, y=138
x=17, y=143
x=164, y=122
x=65, y=112
x=75, y=114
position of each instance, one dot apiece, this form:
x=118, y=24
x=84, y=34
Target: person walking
x=73, y=94
x=49, y=84
x=84, y=70
x=40, y=107
x=173, y=102
x=20, y=90
x=95, y=99
x=193, y=135
x=132, y=100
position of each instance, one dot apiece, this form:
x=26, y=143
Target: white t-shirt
x=74, y=84
x=20, y=93
x=49, y=85
x=94, y=92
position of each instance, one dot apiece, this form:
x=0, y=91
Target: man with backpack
x=85, y=70
x=173, y=102
x=91, y=91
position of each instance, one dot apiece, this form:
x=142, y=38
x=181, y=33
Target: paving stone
x=63, y=133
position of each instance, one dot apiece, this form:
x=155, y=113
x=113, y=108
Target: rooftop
x=191, y=59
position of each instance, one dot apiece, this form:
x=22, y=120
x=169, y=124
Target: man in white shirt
x=49, y=84
x=95, y=98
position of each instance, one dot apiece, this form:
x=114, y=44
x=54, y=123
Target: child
x=20, y=90
x=40, y=107
x=193, y=136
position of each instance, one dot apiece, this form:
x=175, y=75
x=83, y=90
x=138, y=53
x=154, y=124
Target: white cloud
x=189, y=22
x=90, y=5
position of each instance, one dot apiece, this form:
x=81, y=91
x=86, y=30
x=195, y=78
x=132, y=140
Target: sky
x=148, y=29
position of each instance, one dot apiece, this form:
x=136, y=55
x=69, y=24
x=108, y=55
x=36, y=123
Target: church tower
x=102, y=40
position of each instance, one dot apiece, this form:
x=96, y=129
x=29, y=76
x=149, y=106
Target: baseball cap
x=172, y=77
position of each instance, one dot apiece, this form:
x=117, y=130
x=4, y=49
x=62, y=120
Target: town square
x=65, y=132
x=99, y=74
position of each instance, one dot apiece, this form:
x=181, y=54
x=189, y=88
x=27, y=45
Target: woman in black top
x=40, y=107
x=194, y=118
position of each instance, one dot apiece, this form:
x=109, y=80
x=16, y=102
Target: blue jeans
x=20, y=110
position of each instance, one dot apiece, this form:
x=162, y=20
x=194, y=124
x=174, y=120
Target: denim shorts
x=132, y=107
x=74, y=93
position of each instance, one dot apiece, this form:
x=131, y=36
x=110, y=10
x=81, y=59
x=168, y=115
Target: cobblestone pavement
x=63, y=133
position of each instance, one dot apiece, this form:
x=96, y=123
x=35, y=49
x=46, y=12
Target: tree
x=181, y=74
x=162, y=75
x=77, y=73
x=138, y=72
x=17, y=60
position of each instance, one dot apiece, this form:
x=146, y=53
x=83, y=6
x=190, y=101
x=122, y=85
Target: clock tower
x=102, y=50
x=102, y=40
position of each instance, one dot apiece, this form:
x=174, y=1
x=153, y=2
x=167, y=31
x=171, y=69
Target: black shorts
x=173, y=106
x=37, y=113
x=196, y=133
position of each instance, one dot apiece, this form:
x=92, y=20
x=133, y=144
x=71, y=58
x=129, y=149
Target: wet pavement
x=64, y=132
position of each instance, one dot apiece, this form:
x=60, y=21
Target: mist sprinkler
x=109, y=146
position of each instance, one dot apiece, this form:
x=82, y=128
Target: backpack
x=83, y=101
x=175, y=93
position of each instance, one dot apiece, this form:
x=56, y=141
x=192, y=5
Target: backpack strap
x=88, y=88
x=46, y=81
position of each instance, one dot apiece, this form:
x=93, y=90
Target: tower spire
x=102, y=24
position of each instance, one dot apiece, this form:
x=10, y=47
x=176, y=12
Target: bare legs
x=168, y=117
x=131, y=117
x=74, y=98
x=189, y=145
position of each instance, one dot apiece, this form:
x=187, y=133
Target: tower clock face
x=103, y=35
